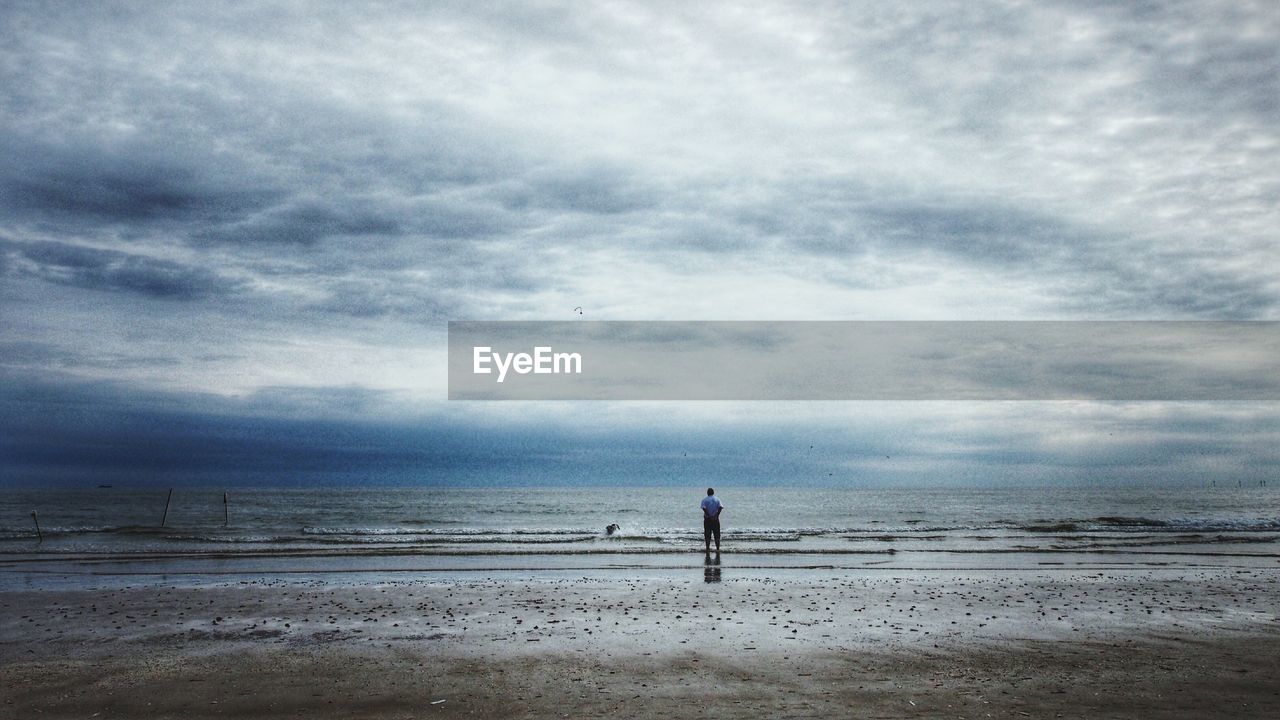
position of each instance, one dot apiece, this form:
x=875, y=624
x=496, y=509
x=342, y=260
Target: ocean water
x=430, y=522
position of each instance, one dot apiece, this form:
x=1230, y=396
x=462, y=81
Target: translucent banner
x=839, y=360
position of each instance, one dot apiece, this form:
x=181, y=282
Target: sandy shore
x=1151, y=643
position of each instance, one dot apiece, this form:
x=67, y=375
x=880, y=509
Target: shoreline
x=70, y=571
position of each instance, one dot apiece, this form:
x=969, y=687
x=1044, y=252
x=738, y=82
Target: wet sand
x=1032, y=643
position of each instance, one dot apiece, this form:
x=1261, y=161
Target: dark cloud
x=444, y=219
x=227, y=148
x=1132, y=289
x=321, y=183
x=110, y=270
x=304, y=223
x=1210, y=59
x=86, y=184
x=600, y=189
x=385, y=297
x=977, y=231
x=88, y=432
x=1095, y=269
x=32, y=356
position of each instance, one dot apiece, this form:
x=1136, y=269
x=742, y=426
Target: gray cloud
x=346, y=434
x=1225, y=63
x=600, y=189
x=78, y=180
x=322, y=185
x=304, y=223
x=267, y=152
x=96, y=269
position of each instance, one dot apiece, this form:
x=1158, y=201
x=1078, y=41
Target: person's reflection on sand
x=711, y=571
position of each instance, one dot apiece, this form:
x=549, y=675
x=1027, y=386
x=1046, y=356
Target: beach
x=411, y=603
x=1159, y=642
x=391, y=359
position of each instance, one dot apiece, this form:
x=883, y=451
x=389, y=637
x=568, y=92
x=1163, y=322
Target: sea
x=110, y=534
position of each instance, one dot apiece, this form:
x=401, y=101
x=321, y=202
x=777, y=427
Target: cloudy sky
x=231, y=237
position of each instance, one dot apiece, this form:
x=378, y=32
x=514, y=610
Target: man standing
x=711, y=509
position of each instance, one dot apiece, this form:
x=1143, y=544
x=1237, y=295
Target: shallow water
x=118, y=531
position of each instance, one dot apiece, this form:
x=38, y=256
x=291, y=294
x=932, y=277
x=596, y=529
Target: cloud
x=304, y=223
x=308, y=191
x=598, y=189
x=110, y=270
x=84, y=182
x=1039, y=142
x=296, y=436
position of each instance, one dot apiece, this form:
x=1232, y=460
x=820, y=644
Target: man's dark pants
x=711, y=526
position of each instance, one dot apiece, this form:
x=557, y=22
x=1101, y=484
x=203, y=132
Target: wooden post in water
x=226, y=515
x=165, y=519
x=36, y=518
